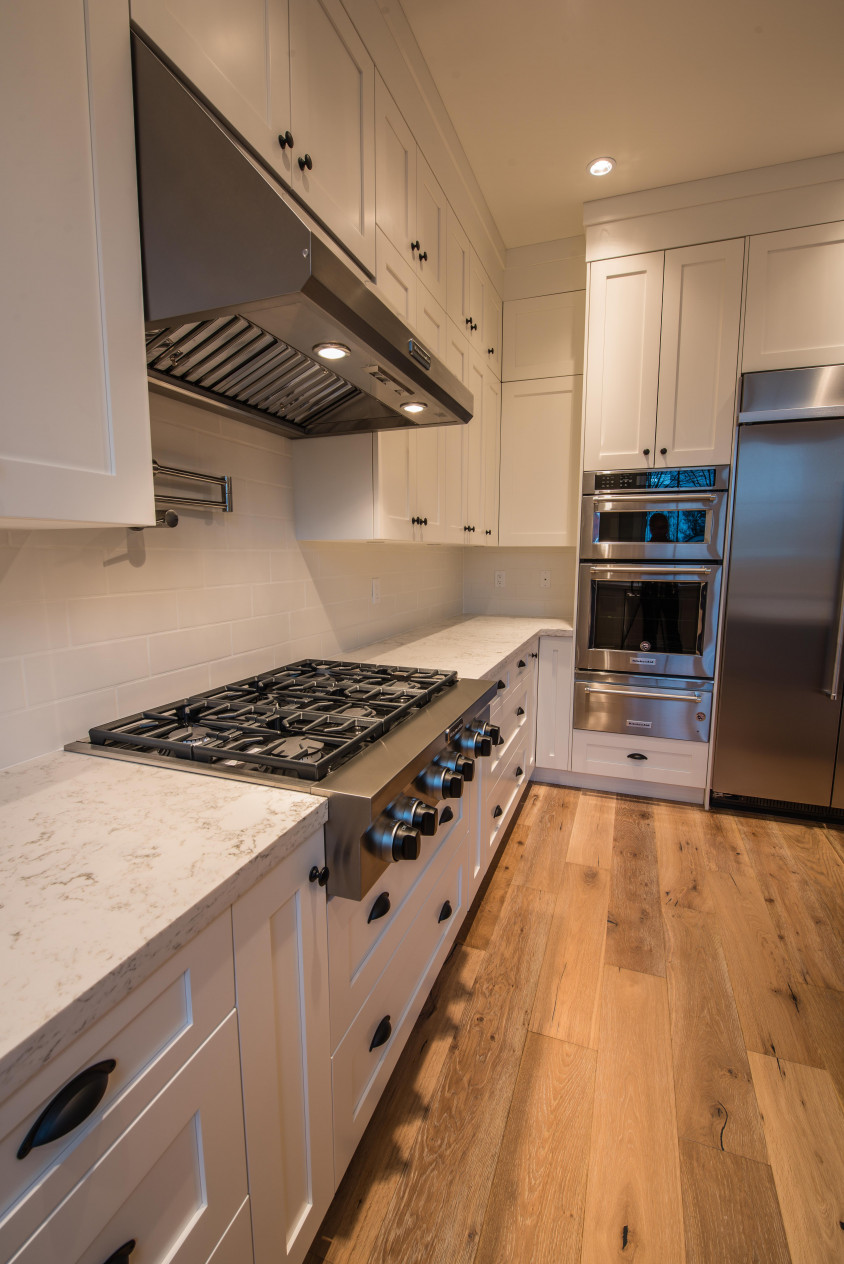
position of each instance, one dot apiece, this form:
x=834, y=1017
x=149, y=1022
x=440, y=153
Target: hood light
x=601, y=166
x=332, y=350
x=413, y=408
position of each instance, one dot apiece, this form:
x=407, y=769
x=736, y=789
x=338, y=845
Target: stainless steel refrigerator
x=778, y=737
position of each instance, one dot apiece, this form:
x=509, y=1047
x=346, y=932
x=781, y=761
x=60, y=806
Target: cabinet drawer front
x=359, y=949
x=360, y=1073
x=664, y=761
x=514, y=717
x=149, y=1035
x=500, y=801
x=174, y=1180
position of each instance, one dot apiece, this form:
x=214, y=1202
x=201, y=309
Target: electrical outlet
x=500, y=579
x=544, y=579
x=376, y=592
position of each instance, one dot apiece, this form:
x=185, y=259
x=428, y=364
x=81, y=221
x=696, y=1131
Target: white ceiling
x=672, y=90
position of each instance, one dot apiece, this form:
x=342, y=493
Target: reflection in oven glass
x=662, y=616
x=676, y=526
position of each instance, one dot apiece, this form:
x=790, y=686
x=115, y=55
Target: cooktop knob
x=421, y=816
x=389, y=839
x=440, y=783
x=471, y=742
x=426, y=819
x=406, y=842
x=457, y=763
x=492, y=731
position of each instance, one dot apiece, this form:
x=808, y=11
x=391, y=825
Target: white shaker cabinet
x=492, y=330
x=395, y=165
x=458, y=274
x=795, y=299
x=540, y=462
x=543, y=337
x=491, y=456
x=553, y=705
x=281, y=977
x=431, y=221
x=698, y=357
x=74, y=439
x=625, y=310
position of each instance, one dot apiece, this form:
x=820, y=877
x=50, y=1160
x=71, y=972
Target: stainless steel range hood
x=238, y=292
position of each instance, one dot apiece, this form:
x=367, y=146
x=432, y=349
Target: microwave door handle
x=659, y=694
x=832, y=685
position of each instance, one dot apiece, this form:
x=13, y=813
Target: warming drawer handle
x=380, y=908
x=382, y=1033
x=70, y=1107
x=651, y=570
x=651, y=694
x=121, y=1255
x=445, y=912
x=636, y=755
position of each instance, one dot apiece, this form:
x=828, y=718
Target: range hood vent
x=239, y=293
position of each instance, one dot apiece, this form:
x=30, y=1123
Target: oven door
x=652, y=620
x=655, y=526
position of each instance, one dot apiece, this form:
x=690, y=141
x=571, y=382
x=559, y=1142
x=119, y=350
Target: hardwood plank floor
x=560, y=1100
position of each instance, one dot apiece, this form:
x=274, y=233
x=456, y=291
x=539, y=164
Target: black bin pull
x=501, y=684
x=70, y=1107
x=446, y=815
x=498, y=811
x=121, y=1255
x=445, y=912
x=520, y=710
x=636, y=755
x=522, y=663
x=382, y=1033
x=380, y=908
x=520, y=772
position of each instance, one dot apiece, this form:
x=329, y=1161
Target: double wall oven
x=651, y=549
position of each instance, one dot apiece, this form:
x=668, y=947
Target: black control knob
x=440, y=782
x=457, y=763
x=492, y=731
x=406, y=842
x=389, y=839
x=470, y=742
x=420, y=816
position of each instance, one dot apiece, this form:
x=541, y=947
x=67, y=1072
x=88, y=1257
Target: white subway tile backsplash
x=198, y=606
x=12, y=693
x=267, y=630
x=189, y=647
x=109, y=618
x=30, y=627
x=65, y=673
x=155, y=690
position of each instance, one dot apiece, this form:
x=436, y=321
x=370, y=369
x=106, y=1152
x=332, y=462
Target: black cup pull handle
x=382, y=1033
x=520, y=710
x=70, y=1107
x=499, y=811
x=446, y=815
x=445, y=912
x=636, y=755
x=121, y=1255
x=501, y=684
x=380, y=908
x=306, y=161
x=522, y=663
x=520, y=772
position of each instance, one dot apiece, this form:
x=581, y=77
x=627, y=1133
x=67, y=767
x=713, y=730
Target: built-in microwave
x=654, y=515
x=656, y=620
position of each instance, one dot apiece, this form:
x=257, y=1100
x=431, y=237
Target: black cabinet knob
x=490, y=350
x=445, y=912
x=319, y=875
x=423, y=256
x=645, y=451
x=285, y=140
x=488, y=532
x=498, y=811
x=121, y=1255
x=663, y=451
x=414, y=245
x=522, y=663
x=636, y=755
x=380, y=908
x=469, y=321
x=306, y=161
x=423, y=522
x=474, y=326
x=471, y=528
x=534, y=654
x=70, y=1107
x=382, y=1033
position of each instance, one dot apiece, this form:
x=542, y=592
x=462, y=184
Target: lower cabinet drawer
x=502, y=796
x=172, y=1183
x=362, y=936
x=515, y=717
x=365, y=1058
x=148, y=1036
x=666, y=761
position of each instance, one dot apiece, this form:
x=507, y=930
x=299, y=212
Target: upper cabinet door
x=395, y=278
x=478, y=286
x=457, y=355
x=795, y=299
x=74, y=437
x=458, y=268
x=625, y=305
x=431, y=215
x=221, y=49
x=492, y=330
x=395, y=163
x=491, y=450
x=332, y=86
x=394, y=484
x=698, y=359
x=473, y=457
x=540, y=451
x=543, y=337
x=431, y=323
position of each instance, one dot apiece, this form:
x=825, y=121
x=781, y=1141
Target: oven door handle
x=648, y=694
x=650, y=570
x=686, y=500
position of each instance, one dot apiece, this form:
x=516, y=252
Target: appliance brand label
x=644, y=662
x=639, y=724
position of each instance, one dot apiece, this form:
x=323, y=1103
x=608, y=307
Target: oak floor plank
x=633, y=1200
x=811, y=848
x=591, y=834
x=634, y=924
x=826, y=1019
x=716, y=1104
x=567, y=1004
x=540, y=837
x=535, y=1209
x=355, y=1217
x=436, y=1217
x=804, y=1126
x=730, y=1209
x=681, y=857
x=722, y=842
x=773, y=1016
x=482, y=920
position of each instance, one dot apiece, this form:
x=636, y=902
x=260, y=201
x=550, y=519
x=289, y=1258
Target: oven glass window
x=674, y=526
x=659, y=615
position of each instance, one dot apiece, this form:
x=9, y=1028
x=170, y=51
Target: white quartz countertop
x=475, y=646
x=106, y=868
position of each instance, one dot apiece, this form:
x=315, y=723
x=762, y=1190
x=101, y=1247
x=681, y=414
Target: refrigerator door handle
x=832, y=685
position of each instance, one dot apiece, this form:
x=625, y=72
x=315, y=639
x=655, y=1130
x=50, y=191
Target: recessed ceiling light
x=414, y=408
x=332, y=350
x=601, y=166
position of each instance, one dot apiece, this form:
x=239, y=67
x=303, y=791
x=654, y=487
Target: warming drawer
x=644, y=706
